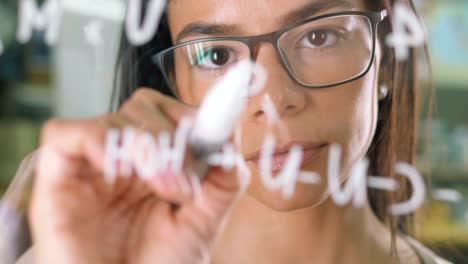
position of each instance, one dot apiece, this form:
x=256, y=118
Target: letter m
x=46, y=18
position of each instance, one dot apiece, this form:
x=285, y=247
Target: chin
x=305, y=196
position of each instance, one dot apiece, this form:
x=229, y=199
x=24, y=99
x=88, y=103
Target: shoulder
x=424, y=253
x=21, y=184
x=14, y=205
x=27, y=257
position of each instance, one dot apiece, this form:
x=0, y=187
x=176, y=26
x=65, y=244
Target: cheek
x=345, y=115
x=364, y=119
x=189, y=85
x=359, y=110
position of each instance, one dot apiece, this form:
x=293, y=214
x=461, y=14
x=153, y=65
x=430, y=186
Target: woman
x=76, y=217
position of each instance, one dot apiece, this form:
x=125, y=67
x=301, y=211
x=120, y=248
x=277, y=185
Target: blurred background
x=75, y=78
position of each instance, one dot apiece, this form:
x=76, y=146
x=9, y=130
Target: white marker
x=407, y=31
x=219, y=113
x=140, y=35
x=48, y=18
x=1, y=47
x=223, y=105
x=214, y=125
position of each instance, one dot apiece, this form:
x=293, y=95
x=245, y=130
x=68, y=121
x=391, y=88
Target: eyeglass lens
x=319, y=53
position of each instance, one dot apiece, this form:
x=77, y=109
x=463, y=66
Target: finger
x=146, y=117
x=172, y=187
x=156, y=163
x=157, y=114
x=75, y=140
x=171, y=107
x=62, y=196
x=66, y=148
x=134, y=153
x=67, y=145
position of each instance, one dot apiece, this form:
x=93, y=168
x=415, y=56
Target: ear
x=385, y=77
x=384, y=55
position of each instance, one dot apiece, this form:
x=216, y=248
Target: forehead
x=250, y=16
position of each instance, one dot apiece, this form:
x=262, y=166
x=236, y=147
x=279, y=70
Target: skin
x=77, y=218
x=353, y=105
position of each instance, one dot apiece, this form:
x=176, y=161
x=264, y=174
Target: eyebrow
x=302, y=13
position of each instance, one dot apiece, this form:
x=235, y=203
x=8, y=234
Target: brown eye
x=318, y=37
x=219, y=56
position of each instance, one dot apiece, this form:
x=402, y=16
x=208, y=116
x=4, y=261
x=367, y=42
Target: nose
x=287, y=97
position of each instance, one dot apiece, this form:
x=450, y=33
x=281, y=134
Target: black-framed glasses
x=319, y=52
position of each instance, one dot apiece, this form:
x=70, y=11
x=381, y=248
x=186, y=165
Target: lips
x=310, y=152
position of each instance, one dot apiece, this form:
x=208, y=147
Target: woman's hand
x=76, y=217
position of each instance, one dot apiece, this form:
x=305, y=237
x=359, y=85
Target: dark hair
x=135, y=67
x=395, y=139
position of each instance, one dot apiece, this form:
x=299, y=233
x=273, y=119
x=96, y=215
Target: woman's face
x=344, y=114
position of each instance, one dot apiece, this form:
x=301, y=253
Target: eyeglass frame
x=273, y=38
